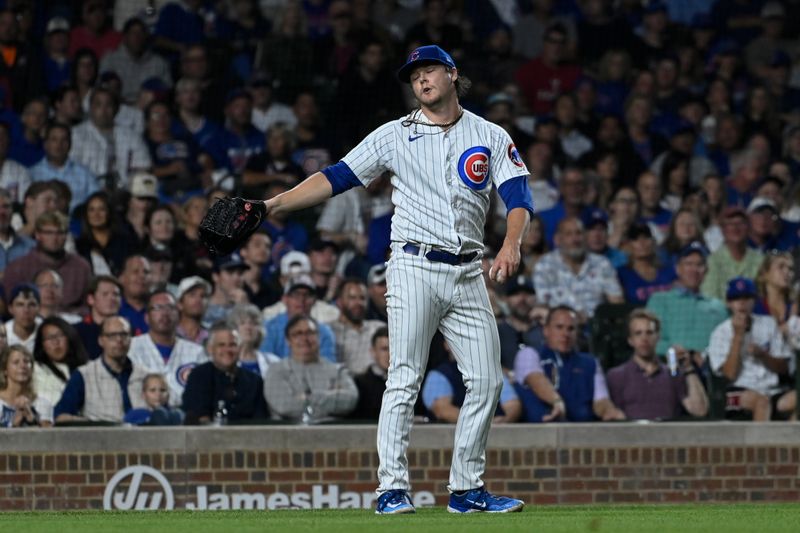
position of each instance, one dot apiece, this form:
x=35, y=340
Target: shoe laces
x=392, y=497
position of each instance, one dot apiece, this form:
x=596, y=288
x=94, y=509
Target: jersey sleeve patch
x=513, y=155
x=473, y=167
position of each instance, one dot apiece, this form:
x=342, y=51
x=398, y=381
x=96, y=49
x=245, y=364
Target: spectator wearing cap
x=57, y=66
x=135, y=279
x=644, y=388
x=95, y=32
x=306, y=385
x=239, y=141
x=352, y=331
x=643, y=276
x=57, y=165
x=261, y=288
x=444, y=391
x=595, y=223
x=768, y=231
x=27, y=146
x=571, y=275
x=160, y=350
x=299, y=297
x=734, y=258
x=110, y=152
x=23, y=306
x=545, y=77
x=134, y=61
x=750, y=352
x=522, y=324
x=104, y=298
x=143, y=189
x=559, y=382
x=687, y=316
x=376, y=288
x=266, y=111
x=12, y=244
x=192, y=300
x=51, y=236
x=229, y=290
x=222, y=381
x=14, y=178
x=323, y=255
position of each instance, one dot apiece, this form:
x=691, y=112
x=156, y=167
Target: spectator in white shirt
x=14, y=177
x=749, y=350
x=111, y=152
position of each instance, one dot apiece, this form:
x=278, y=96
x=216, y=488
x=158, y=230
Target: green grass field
x=612, y=519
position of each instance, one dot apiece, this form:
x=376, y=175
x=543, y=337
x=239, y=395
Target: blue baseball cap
x=593, y=217
x=232, y=261
x=740, y=287
x=695, y=247
x=421, y=56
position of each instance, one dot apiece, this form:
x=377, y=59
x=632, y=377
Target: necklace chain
x=414, y=120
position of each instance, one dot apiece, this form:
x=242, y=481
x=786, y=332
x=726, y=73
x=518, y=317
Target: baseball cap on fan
x=424, y=55
x=143, y=185
x=295, y=263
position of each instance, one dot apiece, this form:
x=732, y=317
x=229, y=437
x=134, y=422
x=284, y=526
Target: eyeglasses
x=119, y=335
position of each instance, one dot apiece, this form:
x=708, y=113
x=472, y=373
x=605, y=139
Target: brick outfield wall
x=578, y=475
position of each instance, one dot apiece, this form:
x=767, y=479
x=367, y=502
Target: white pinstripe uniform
x=442, y=185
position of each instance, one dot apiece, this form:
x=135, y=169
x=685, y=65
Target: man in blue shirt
x=57, y=165
x=240, y=140
x=299, y=297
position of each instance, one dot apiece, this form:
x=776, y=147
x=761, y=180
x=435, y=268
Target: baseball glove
x=229, y=222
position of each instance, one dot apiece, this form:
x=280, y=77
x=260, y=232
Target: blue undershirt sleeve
x=516, y=193
x=340, y=177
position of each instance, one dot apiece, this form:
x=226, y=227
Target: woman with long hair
x=684, y=229
x=100, y=242
x=674, y=180
x=623, y=211
x=85, y=69
x=19, y=404
x=57, y=351
x=776, y=297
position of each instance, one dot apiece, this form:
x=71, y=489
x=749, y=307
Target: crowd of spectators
x=662, y=140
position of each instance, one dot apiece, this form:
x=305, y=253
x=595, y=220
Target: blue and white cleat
x=394, y=502
x=482, y=501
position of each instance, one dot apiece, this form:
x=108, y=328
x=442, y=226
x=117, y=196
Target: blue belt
x=438, y=256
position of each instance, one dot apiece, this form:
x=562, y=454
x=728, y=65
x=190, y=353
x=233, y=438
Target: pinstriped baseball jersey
x=442, y=180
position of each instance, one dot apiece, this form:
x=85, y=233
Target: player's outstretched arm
x=313, y=190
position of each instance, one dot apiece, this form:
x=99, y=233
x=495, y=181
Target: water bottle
x=672, y=362
x=221, y=414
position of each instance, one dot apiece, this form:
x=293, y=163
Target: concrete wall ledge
x=362, y=437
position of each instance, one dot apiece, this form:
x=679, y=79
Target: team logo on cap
x=182, y=373
x=473, y=167
x=414, y=55
x=513, y=155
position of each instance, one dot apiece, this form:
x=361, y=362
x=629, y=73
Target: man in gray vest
x=108, y=387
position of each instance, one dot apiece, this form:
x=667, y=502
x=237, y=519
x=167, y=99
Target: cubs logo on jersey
x=473, y=167
x=513, y=155
x=182, y=373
